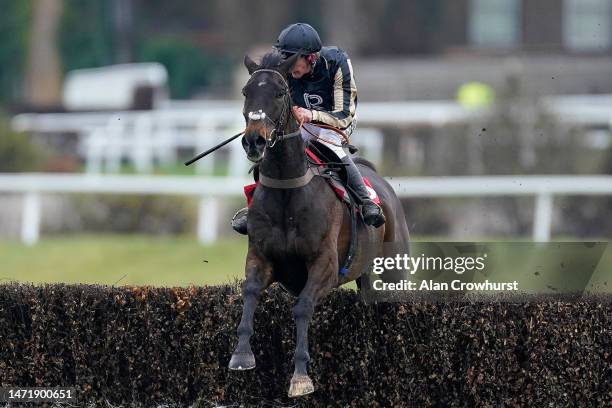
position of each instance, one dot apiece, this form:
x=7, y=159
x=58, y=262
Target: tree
x=43, y=83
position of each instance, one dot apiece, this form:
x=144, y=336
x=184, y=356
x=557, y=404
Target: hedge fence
x=149, y=346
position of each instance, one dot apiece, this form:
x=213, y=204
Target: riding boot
x=239, y=220
x=372, y=213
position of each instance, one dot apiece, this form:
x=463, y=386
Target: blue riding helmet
x=298, y=38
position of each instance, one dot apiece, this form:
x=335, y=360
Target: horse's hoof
x=301, y=385
x=242, y=361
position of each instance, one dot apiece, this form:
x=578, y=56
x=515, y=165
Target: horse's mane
x=271, y=60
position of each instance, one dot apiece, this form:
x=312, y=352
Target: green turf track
x=123, y=260
x=182, y=261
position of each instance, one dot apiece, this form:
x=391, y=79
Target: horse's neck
x=286, y=158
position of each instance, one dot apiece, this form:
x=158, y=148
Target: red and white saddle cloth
x=336, y=186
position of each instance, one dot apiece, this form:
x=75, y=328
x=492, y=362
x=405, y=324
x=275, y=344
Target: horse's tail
x=364, y=162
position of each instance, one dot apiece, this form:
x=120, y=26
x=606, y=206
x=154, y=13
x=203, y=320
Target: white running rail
x=212, y=190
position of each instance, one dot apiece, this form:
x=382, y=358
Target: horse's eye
x=280, y=94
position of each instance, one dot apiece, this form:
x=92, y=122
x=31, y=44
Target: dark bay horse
x=298, y=230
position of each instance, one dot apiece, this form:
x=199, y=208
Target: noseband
x=261, y=115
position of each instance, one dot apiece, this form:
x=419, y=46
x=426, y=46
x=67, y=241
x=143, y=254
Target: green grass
x=182, y=261
x=124, y=260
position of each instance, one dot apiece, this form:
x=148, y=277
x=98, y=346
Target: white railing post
x=208, y=219
x=115, y=139
x=542, y=217
x=141, y=149
x=94, y=146
x=165, y=139
x=30, y=221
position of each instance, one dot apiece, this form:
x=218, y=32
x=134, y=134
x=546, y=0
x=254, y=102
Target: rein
x=262, y=115
x=304, y=179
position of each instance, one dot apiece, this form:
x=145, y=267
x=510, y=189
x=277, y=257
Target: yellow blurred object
x=475, y=95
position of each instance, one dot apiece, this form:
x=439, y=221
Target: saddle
x=325, y=164
x=324, y=158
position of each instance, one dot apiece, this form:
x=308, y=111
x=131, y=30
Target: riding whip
x=199, y=156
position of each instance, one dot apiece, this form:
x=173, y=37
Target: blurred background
x=490, y=117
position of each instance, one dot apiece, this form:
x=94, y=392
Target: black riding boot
x=372, y=214
x=239, y=220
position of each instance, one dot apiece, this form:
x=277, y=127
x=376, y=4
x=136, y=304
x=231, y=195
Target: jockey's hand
x=302, y=115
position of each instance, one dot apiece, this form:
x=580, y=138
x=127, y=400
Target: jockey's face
x=300, y=68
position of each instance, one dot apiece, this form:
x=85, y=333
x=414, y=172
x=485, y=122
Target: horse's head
x=267, y=102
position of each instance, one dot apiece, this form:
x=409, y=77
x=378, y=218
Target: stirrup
x=239, y=221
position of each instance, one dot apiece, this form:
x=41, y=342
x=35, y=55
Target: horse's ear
x=286, y=65
x=250, y=65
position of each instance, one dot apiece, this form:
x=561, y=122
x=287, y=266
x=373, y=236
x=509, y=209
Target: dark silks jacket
x=330, y=90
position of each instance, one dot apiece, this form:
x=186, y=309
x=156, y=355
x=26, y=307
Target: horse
x=298, y=230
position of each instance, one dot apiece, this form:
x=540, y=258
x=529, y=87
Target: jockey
x=323, y=89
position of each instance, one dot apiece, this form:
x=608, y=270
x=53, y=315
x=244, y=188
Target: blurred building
x=567, y=27
x=418, y=49
x=555, y=46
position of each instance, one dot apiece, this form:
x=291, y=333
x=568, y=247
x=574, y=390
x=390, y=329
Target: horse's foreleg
x=258, y=277
x=321, y=279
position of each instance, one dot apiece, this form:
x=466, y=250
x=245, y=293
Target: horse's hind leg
x=321, y=279
x=258, y=277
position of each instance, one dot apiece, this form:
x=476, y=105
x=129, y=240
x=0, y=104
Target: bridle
x=272, y=182
x=275, y=136
x=284, y=116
